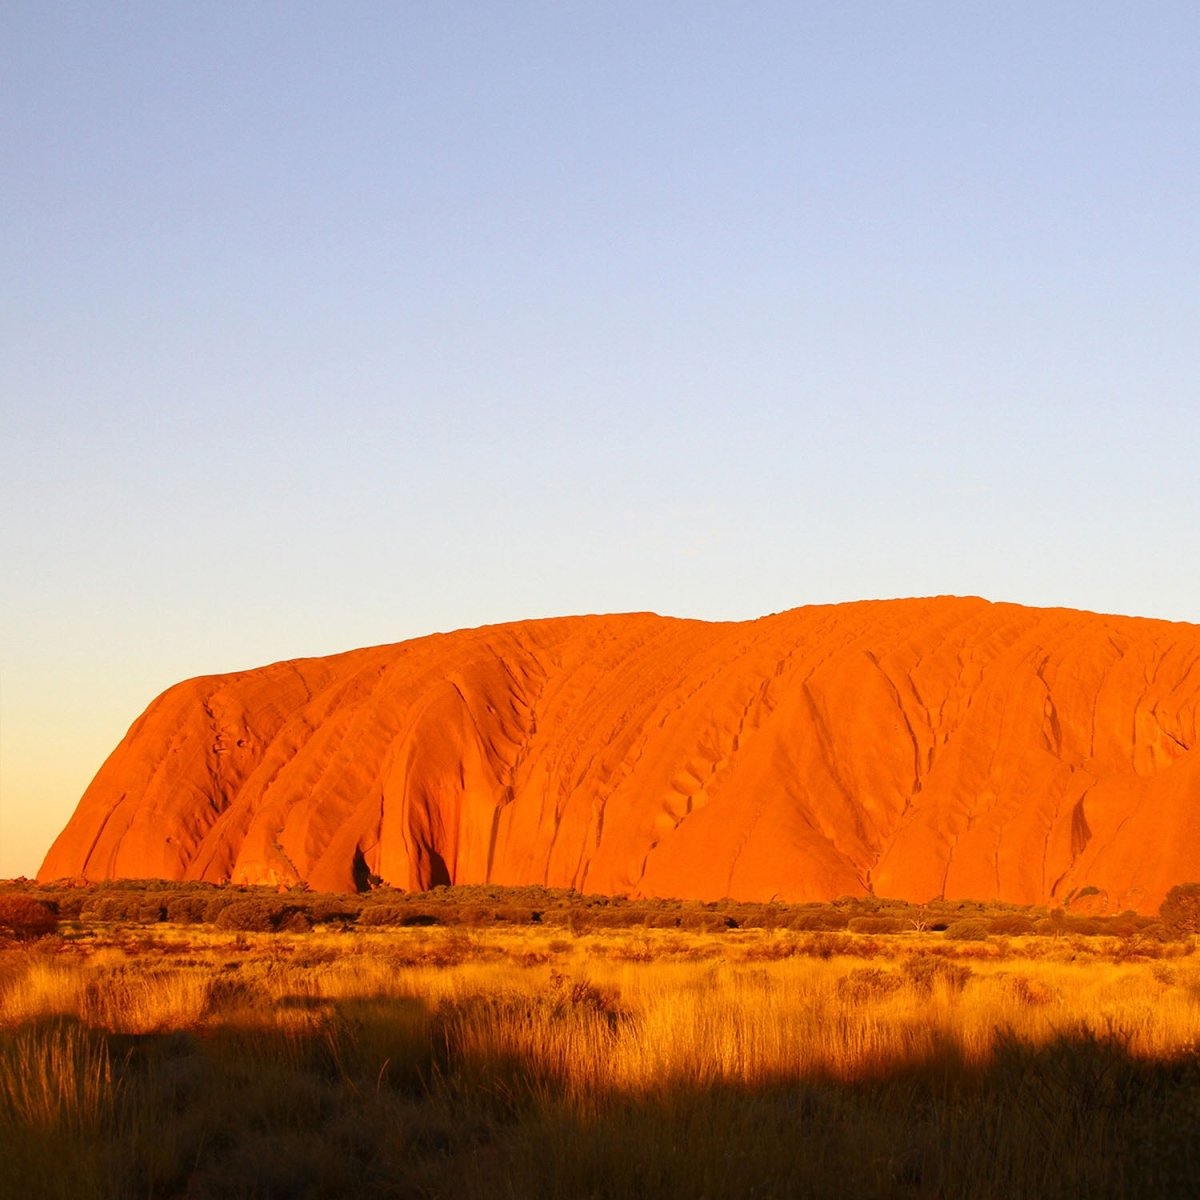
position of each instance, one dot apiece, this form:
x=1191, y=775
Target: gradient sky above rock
x=326, y=326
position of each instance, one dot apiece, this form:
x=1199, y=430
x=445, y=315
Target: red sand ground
x=913, y=748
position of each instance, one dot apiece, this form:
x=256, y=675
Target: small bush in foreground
x=924, y=971
x=864, y=984
x=25, y=918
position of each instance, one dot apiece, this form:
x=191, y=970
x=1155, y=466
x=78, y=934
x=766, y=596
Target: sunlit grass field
x=522, y=1061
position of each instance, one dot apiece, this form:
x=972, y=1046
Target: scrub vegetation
x=179, y=1042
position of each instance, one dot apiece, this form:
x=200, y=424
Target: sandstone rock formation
x=910, y=748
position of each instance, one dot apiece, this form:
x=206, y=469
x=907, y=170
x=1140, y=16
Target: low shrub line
x=28, y=910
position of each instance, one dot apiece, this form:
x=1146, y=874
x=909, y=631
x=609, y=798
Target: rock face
x=910, y=748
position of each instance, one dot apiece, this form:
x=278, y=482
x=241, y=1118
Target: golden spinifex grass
x=521, y=1062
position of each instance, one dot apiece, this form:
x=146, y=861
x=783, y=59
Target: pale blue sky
x=327, y=325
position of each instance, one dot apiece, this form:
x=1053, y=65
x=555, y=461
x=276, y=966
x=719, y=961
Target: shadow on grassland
x=376, y=1101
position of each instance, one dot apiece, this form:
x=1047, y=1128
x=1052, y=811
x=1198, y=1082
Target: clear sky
x=326, y=325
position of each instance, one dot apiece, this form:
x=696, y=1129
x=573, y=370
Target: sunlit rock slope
x=910, y=748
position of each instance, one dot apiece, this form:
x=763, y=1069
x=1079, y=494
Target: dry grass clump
x=58, y=1096
x=1032, y=992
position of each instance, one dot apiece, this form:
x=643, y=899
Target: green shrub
x=663, y=920
x=150, y=912
x=471, y=915
x=375, y=915
x=512, y=914
x=764, y=916
x=324, y=909
x=971, y=930
x=249, y=916
x=1126, y=925
x=818, y=920
x=111, y=906
x=70, y=904
x=416, y=919
x=1180, y=910
x=621, y=917
x=187, y=910
x=877, y=925
x=702, y=922
x=1156, y=931
x=1011, y=925
x=1087, y=926
x=214, y=908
